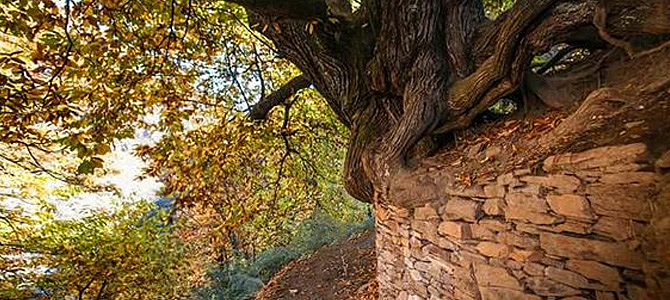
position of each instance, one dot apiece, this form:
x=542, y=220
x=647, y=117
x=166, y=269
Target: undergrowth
x=241, y=278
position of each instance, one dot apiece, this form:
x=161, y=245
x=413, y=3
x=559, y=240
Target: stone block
x=626, y=202
x=493, y=249
x=416, y=275
x=475, y=191
x=533, y=269
x=457, y=230
x=573, y=227
x=574, y=206
x=446, y=244
x=566, y=277
x=495, y=225
x=552, y=261
x=505, y=294
x=466, y=258
x=526, y=202
x=520, y=213
x=530, y=228
x=461, y=209
x=644, y=178
x=563, y=183
x=507, y=179
x=596, y=271
x=433, y=251
x=494, y=191
x=531, y=189
x=522, y=241
x=546, y=287
x=525, y=255
x=494, y=207
x=482, y=233
x=399, y=212
x=426, y=212
x=586, y=249
x=427, y=229
x=490, y=276
x=602, y=157
x=616, y=228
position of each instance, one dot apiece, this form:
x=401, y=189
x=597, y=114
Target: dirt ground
x=344, y=270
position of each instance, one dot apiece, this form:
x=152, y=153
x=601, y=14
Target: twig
x=70, y=44
x=260, y=72
x=287, y=152
x=42, y=168
x=254, y=34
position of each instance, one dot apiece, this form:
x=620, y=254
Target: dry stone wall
x=590, y=225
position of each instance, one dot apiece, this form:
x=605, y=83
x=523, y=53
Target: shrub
x=240, y=278
x=118, y=255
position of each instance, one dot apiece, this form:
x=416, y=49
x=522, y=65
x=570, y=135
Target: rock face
x=592, y=225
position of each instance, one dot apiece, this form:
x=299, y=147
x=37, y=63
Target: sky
x=125, y=168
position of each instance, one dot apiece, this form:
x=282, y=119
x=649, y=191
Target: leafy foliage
x=293, y=161
x=496, y=7
x=85, y=73
x=117, y=255
x=78, y=75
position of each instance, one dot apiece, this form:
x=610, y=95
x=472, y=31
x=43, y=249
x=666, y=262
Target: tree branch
x=290, y=9
x=529, y=29
x=263, y=107
x=500, y=73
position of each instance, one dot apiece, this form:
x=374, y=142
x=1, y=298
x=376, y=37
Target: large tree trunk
x=404, y=74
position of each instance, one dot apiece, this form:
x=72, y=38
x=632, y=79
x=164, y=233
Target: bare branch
x=263, y=107
x=291, y=9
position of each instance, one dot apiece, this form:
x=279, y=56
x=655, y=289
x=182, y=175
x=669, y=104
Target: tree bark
x=403, y=73
x=263, y=107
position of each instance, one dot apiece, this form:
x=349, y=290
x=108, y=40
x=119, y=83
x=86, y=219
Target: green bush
x=114, y=256
x=241, y=278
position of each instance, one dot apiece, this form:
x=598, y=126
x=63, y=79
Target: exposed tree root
x=652, y=50
x=600, y=21
x=398, y=72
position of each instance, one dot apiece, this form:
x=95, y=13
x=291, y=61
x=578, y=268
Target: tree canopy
x=78, y=76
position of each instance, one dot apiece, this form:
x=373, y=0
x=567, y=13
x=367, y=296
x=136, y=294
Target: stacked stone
x=576, y=231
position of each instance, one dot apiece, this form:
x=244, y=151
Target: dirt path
x=344, y=270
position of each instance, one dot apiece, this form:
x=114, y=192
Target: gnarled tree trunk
x=405, y=75
x=401, y=74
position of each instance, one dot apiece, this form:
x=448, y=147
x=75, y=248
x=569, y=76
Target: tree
x=400, y=75
x=126, y=254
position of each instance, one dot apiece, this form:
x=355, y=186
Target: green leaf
x=86, y=167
